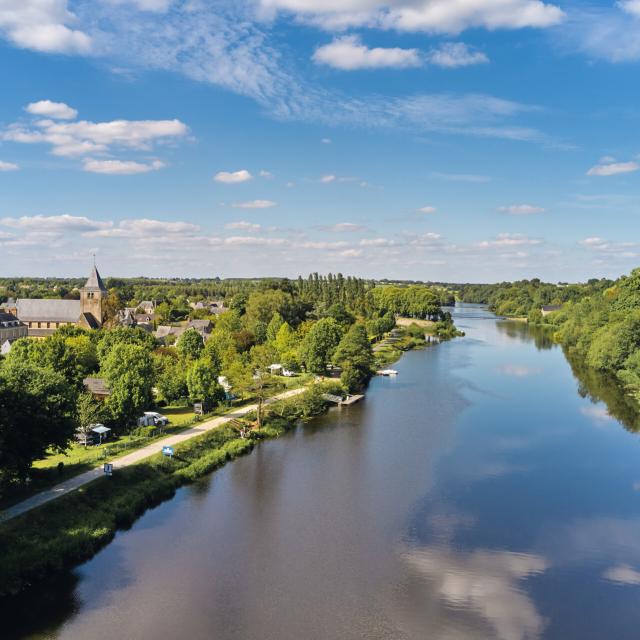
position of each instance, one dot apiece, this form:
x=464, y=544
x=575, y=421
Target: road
x=83, y=479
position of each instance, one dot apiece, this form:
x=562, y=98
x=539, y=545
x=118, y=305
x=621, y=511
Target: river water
x=476, y=496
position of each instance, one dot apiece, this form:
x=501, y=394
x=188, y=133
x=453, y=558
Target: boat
x=387, y=372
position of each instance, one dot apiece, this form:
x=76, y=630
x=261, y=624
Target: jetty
x=343, y=402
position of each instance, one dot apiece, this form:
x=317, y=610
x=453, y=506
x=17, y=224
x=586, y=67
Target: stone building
x=43, y=316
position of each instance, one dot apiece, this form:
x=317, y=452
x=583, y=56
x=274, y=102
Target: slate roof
x=43, y=310
x=94, y=281
x=97, y=386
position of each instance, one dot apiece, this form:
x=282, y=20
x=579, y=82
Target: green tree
x=319, y=345
x=37, y=412
x=355, y=356
x=202, y=383
x=274, y=326
x=128, y=370
x=89, y=411
x=190, y=344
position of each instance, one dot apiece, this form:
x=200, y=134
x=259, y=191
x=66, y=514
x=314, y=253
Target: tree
x=128, y=370
x=202, y=383
x=274, y=326
x=355, y=356
x=170, y=374
x=89, y=411
x=319, y=344
x=190, y=344
x=36, y=413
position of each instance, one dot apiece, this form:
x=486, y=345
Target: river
x=475, y=496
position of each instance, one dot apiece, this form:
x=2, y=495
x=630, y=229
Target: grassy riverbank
x=73, y=528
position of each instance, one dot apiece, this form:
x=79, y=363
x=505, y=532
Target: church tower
x=91, y=297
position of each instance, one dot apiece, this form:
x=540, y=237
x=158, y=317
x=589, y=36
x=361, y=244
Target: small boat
x=387, y=372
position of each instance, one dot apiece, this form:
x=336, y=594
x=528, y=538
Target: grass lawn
x=77, y=459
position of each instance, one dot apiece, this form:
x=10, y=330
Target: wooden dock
x=343, y=402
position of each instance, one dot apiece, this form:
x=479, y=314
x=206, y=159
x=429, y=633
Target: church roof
x=31, y=309
x=94, y=281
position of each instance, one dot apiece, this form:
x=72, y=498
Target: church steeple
x=91, y=296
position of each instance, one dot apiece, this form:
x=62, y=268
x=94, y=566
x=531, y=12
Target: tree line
x=303, y=325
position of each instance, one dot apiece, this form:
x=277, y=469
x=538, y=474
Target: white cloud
x=49, y=109
x=233, y=177
x=348, y=54
x=242, y=225
x=435, y=16
x=623, y=573
x=8, y=166
x=427, y=209
x=326, y=141
x=62, y=223
x=84, y=137
x=343, y=227
x=252, y=241
x=613, y=168
x=456, y=54
x=254, y=204
x=265, y=174
x=327, y=179
x=350, y=253
x=521, y=210
x=41, y=25
x=323, y=246
x=508, y=240
x=145, y=228
x=376, y=242
x=630, y=6
x=121, y=167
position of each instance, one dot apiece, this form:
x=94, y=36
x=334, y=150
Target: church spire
x=94, y=281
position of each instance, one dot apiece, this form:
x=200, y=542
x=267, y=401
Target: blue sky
x=457, y=140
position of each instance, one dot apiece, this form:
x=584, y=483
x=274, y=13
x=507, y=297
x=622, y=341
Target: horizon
x=429, y=141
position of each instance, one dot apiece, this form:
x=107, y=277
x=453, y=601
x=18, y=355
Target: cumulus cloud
x=49, y=109
x=121, y=167
x=144, y=228
x=322, y=246
x=434, y=16
x=508, y=240
x=521, y=210
x=243, y=225
x=61, y=223
x=252, y=241
x=8, y=166
x=348, y=54
x=254, y=204
x=233, y=177
x=328, y=178
x=427, y=209
x=83, y=137
x=456, y=54
x=42, y=25
x=343, y=227
x=623, y=573
x=613, y=168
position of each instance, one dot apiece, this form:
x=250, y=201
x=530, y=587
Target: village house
x=10, y=330
x=43, y=316
x=98, y=388
x=203, y=327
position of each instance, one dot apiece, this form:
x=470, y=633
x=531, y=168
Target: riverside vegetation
x=306, y=325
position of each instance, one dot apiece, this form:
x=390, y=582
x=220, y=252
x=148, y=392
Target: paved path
x=71, y=484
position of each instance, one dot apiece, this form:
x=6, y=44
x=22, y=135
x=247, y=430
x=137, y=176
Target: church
x=43, y=316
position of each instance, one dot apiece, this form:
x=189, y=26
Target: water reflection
x=485, y=583
x=600, y=387
x=542, y=337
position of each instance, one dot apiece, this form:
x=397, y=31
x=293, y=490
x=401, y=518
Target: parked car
x=153, y=419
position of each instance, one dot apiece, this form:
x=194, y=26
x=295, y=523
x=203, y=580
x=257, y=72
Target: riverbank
x=71, y=530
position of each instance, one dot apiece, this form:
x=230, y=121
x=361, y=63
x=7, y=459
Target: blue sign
x=108, y=469
x=167, y=451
